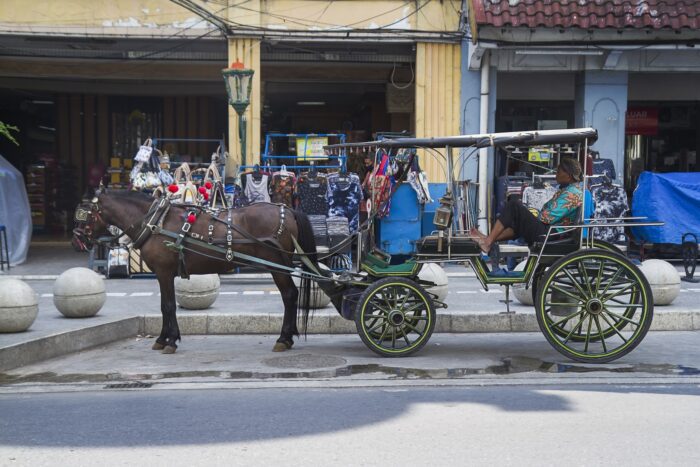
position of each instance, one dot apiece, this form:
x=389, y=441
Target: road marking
x=466, y=291
x=253, y=292
x=46, y=295
x=228, y=293
x=491, y=291
x=141, y=294
x=274, y=292
x=693, y=289
x=116, y=294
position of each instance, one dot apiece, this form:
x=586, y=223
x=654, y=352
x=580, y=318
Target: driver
x=517, y=221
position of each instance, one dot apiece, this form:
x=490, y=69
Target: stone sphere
x=317, y=299
x=198, y=292
x=435, y=274
x=79, y=293
x=19, y=305
x=522, y=294
x=664, y=280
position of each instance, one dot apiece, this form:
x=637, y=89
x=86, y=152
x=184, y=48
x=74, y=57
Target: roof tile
x=588, y=14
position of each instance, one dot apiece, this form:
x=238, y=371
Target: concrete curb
x=322, y=322
x=63, y=343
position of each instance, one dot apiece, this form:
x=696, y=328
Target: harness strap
x=281, y=227
x=229, y=238
x=157, y=212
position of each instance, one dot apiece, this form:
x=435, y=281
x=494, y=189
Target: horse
x=263, y=230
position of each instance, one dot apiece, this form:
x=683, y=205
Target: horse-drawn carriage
x=591, y=302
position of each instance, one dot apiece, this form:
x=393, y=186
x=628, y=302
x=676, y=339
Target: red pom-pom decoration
x=208, y=185
x=173, y=188
x=202, y=190
x=191, y=218
x=206, y=196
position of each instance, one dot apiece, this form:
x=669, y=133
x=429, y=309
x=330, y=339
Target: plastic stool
x=4, y=249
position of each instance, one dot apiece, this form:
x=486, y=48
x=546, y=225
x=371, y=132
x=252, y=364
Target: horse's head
x=89, y=224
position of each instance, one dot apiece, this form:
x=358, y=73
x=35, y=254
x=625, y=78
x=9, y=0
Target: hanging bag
x=186, y=191
x=215, y=189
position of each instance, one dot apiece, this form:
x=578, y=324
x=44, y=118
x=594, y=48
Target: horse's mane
x=129, y=194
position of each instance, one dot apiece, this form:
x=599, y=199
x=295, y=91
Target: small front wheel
x=395, y=317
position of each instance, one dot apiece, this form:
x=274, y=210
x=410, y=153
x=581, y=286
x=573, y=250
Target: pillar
x=601, y=103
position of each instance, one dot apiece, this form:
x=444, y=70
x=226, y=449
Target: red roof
x=588, y=14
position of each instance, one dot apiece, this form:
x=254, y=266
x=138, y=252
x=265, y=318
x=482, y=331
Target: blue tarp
x=673, y=198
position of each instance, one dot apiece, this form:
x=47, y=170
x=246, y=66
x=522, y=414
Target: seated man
x=517, y=221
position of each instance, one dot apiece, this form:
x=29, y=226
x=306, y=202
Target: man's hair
x=572, y=167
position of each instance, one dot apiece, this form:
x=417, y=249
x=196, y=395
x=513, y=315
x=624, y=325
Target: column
x=601, y=103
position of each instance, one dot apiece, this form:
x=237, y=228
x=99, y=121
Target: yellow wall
x=158, y=17
x=437, y=98
x=246, y=51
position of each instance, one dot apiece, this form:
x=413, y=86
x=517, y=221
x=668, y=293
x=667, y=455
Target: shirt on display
x=344, y=196
x=537, y=197
x=256, y=190
x=311, y=194
x=610, y=202
x=282, y=188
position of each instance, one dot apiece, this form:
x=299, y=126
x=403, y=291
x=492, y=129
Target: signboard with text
x=642, y=121
x=311, y=148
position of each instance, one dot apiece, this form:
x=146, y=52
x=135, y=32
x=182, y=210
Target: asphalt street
x=524, y=425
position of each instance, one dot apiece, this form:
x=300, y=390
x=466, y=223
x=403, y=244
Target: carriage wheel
x=395, y=317
x=594, y=306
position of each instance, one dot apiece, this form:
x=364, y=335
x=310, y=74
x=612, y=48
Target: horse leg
x=170, y=332
x=289, y=294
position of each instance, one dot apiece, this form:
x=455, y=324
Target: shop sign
x=642, y=121
x=311, y=148
x=539, y=155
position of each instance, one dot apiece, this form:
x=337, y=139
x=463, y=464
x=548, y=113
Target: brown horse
x=263, y=231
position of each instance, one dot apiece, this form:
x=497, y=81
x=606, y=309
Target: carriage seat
x=457, y=246
x=377, y=266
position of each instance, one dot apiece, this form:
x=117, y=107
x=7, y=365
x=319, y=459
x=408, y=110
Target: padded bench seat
x=457, y=246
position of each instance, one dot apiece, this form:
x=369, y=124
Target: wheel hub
x=594, y=306
x=396, y=317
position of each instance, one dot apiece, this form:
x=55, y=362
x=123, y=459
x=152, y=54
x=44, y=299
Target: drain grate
x=135, y=385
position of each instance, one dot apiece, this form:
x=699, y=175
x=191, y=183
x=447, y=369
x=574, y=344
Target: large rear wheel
x=594, y=306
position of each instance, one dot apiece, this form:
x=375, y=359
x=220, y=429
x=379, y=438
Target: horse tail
x=305, y=238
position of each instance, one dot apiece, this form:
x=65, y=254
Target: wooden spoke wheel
x=395, y=317
x=594, y=306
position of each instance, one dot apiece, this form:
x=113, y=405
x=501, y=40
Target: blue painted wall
x=601, y=102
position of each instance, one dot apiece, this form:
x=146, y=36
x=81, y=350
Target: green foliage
x=5, y=131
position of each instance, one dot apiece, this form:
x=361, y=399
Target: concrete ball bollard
x=523, y=295
x=433, y=273
x=19, y=305
x=318, y=298
x=79, y=293
x=664, y=280
x=199, y=292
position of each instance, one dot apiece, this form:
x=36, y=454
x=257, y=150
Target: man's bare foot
x=484, y=244
x=474, y=232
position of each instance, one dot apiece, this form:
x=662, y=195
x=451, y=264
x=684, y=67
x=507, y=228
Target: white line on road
x=274, y=292
x=46, y=295
x=253, y=292
x=116, y=294
x=466, y=291
x=141, y=294
x=491, y=291
x=228, y=293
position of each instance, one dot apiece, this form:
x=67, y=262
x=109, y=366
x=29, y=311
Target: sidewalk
x=134, y=314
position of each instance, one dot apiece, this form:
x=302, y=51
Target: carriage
x=591, y=303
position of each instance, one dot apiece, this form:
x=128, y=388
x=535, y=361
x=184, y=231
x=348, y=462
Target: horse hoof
x=281, y=347
x=168, y=349
x=157, y=346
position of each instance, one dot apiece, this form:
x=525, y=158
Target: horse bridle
x=84, y=219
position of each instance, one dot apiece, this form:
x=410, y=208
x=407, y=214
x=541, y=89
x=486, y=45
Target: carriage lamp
x=443, y=216
x=239, y=83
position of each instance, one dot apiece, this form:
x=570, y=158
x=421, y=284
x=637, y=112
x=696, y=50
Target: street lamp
x=239, y=82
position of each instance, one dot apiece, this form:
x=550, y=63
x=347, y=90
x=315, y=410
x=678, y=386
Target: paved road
x=524, y=425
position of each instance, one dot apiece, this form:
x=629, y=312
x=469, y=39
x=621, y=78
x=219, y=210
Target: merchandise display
x=311, y=189
x=610, y=203
x=256, y=188
x=282, y=187
x=344, y=196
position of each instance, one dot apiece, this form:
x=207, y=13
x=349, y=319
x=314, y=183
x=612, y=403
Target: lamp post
x=239, y=82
